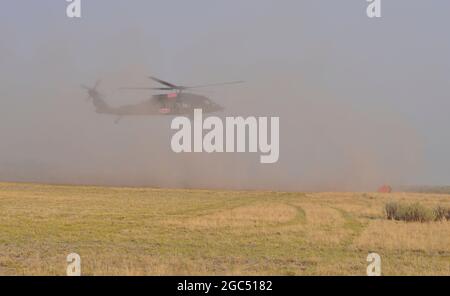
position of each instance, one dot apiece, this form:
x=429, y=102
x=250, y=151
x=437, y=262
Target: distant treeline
x=426, y=189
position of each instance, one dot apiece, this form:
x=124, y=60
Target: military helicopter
x=175, y=102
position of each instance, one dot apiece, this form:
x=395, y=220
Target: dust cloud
x=335, y=134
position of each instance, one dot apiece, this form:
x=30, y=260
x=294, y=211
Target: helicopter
x=175, y=102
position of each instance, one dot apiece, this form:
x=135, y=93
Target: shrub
x=408, y=212
x=391, y=209
x=442, y=213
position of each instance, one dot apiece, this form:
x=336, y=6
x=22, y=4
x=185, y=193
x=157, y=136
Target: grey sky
x=361, y=101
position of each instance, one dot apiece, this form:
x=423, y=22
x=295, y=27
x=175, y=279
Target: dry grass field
x=140, y=231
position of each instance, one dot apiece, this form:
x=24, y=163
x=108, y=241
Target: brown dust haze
x=338, y=129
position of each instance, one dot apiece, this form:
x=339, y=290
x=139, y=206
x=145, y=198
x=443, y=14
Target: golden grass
x=433, y=237
x=141, y=231
x=241, y=217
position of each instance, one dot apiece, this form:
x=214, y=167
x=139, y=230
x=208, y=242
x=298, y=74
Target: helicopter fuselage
x=179, y=103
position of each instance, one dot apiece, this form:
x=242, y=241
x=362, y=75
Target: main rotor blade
x=147, y=88
x=163, y=82
x=215, y=84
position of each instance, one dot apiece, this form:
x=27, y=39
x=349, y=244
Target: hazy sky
x=361, y=101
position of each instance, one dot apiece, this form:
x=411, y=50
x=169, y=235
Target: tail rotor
x=92, y=91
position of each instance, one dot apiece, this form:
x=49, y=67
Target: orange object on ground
x=385, y=189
